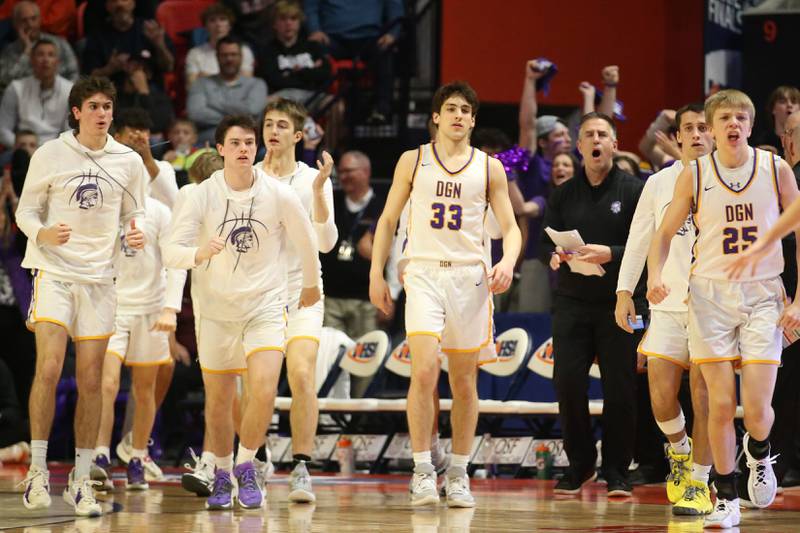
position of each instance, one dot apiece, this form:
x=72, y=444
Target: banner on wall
x=722, y=43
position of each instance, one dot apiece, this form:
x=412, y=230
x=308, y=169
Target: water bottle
x=544, y=462
x=489, y=457
x=346, y=457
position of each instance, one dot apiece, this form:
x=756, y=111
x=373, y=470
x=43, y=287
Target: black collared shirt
x=602, y=215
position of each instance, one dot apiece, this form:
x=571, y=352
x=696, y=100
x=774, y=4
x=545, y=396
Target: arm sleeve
x=640, y=235
x=179, y=248
x=33, y=199
x=8, y=117
x=133, y=201
x=552, y=219
x=327, y=232
x=248, y=60
x=197, y=105
x=173, y=295
x=300, y=233
x=164, y=187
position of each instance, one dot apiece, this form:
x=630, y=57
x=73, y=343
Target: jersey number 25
x=738, y=239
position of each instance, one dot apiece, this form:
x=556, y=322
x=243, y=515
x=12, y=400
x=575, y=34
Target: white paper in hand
x=570, y=241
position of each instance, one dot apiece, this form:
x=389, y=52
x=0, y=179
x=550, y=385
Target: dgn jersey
x=733, y=208
x=447, y=209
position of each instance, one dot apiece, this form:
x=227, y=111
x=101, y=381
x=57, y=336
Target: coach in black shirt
x=599, y=202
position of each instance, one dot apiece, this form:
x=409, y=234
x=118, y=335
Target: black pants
x=380, y=62
x=18, y=350
x=581, y=332
x=785, y=435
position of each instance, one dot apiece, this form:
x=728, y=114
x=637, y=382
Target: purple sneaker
x=250, y=496
x=222, y=493
x=136, y=480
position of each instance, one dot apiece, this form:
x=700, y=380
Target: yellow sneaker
x=696, y=501
x=680, y=467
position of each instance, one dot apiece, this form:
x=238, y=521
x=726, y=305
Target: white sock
x=244, y=455
x=83, y=462
x=39, y=453
x=701, y=472
x=459, y=460
x=224, y=463
x=102, y=450
x=208, y=458
x=682, y=446
x=141, y=454
x=422, y=458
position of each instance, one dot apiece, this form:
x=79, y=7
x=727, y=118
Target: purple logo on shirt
x=616, y=207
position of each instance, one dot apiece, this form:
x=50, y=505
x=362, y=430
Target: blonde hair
x=729, y=98
x=204, y=165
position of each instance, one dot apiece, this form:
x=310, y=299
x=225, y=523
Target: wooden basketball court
x=374, y=503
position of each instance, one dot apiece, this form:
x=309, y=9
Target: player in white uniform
x=148, y=300
x=448, y=283
x=734, y=194
x=666, y=342
x=283, y=129
x=230, y=230
x=78, y=190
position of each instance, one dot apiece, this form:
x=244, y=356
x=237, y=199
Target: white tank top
x=447, y=208
x=733, y=208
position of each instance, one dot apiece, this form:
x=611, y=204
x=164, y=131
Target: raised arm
x=322, y=206
x=610, y=76
x=399, y=193
x=528, y=107
x=675, y=216
x=503, y=272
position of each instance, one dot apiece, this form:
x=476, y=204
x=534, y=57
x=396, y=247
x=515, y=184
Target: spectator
x=182, y=137
x=226, y=93
x=25, y=143
x=132, y=128
x=14, y=429
x=294, y=67
x=345, y=270
x=252, y=21
x=139, y=91
x=782, y=102
x=362, y=29
x=96, y=15
x=627, y=164
x=564, y=167
x=659, y=144
x=201, y=61
x=15, y=58
x=38, y=102
x=127, y=37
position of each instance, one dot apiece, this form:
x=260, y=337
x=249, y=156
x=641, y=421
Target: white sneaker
x=201, y=478
x=125, y=449
x=300, y=490
x=762, y=485
x=422, y=489
x=726, y=514
x=152, y=472
x=457, y=488
x=37, y=488
x=80, y=495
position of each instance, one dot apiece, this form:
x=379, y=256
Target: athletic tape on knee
x=671, y=427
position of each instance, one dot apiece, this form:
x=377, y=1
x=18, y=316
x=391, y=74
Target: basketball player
x=230, y=229
x=78, y=190
x=666, y=342
x=734, y=194
x=283, y=129
x=448, y=286
x=149, y=298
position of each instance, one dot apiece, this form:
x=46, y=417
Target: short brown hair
x=286, y=8
x=784, y=91
x=729, y=98
x=85, y=88
x=694, y=107
x=245, y=122
x=601, y=116
x=296, y=111
x=204, y=165
x=459, y=88
x=217, y=10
